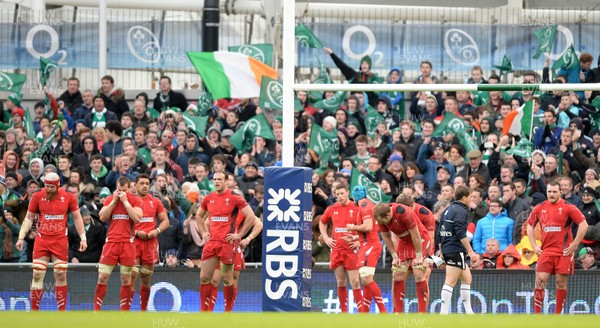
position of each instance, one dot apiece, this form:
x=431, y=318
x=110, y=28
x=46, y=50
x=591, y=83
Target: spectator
x=566, y=189
x=193, y=242
x=477, y=207
x=494, y=225
x=590, y=211
x=90, y=148
x=513, y=204
x=384, y=108
x=161, y=162
x=86, y=106
x=510, y=259
x=71, y=97
x=167, y=98
x=443, y=180
x=586, y=259
x=528, y=256
x=363, y=75
x=492, y=252
x=521, y=191
x=547, y=136
x=9, y=235
x=122, y=167
x=171, y=259
x=95, y=233
x=249, y=180
x=95, y=176
x=100, y=115
x=114, y=98
x=408, y=141
x=475, y=166
x=171, y=238
x=5, y=193
x=429, y=167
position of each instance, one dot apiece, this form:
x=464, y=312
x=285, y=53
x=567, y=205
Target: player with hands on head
x=221, y=207
x=51, y=206
x=555, y=255
x=123, y=209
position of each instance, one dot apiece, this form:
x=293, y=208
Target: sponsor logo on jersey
x=147, y=219
x=444, y=233
x=552, y=229
x=54, y=217
x=340, y=230
x=120, y=217
x=405, y=233
x=219, y=219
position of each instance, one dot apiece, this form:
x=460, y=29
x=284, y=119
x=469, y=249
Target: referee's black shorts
x=457, y=260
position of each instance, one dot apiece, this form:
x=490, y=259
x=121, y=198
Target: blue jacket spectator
x=548, y=136
x=192, y=146
x=496, y=224
x=428, y=166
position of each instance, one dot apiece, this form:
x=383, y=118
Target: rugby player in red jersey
x=239, y=263
x=146, y=242
x=51, y=205
x=370, y=248
x=343, y=259
x=556, y=253
x=123, y=209
x=413, y=246
x=221, y=207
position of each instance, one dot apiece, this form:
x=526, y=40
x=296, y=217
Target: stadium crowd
x=98, y=138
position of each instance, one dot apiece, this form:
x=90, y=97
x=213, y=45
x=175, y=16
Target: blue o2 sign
x=287, y=257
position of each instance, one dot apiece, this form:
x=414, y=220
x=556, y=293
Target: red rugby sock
x=144, y=297
x=99, y=296
x=205, y=292
x=561, y=296
x=399, y=290
x=61, y=297
x=422, y=296
x=538, y=300
x=343, y=297
x=228, y=292
x=125, y=292
x=36, y=297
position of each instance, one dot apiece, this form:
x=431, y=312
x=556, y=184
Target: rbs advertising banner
x=287, y=257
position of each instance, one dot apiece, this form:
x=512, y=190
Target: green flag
x=306, y=37
x=538, y=122
x=468, y=140
x=374, y=193
x=206, y=187
x=205, y=102
x=45, y=145
x=322, y=78
x=271, y=94
x=298, y=105
x=506, y=66
x=595, y=116
x=545, y=38
x=450, y=123
x=262, y=52
x=326, y=144
x=524, y=148
x=12, y=82
x=28, y=122
x=372, y=120
x=243, y=138
x=333, y=103
x=196, y=123
x=46, y=67
x=568, y=60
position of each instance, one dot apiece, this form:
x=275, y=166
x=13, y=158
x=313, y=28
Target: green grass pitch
x=108, y=319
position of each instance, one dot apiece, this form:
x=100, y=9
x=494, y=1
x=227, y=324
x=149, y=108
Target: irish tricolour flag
x=518, y=122
x=229, y=74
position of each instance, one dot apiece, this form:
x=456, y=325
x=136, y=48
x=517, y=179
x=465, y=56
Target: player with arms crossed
x=556, y=253
x=239, y=263
x=454, y=246
x=413, y=246
x=370, y=248
x=146, y=242
x=343, y=258
x=221, y=207
x=123, y=209
x=51, y=244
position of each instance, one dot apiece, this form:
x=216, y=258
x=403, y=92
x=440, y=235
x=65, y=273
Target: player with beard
x=556, y=218
x=123, y=209
x=51, y=206
x=146, y=242
x=221, y=207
